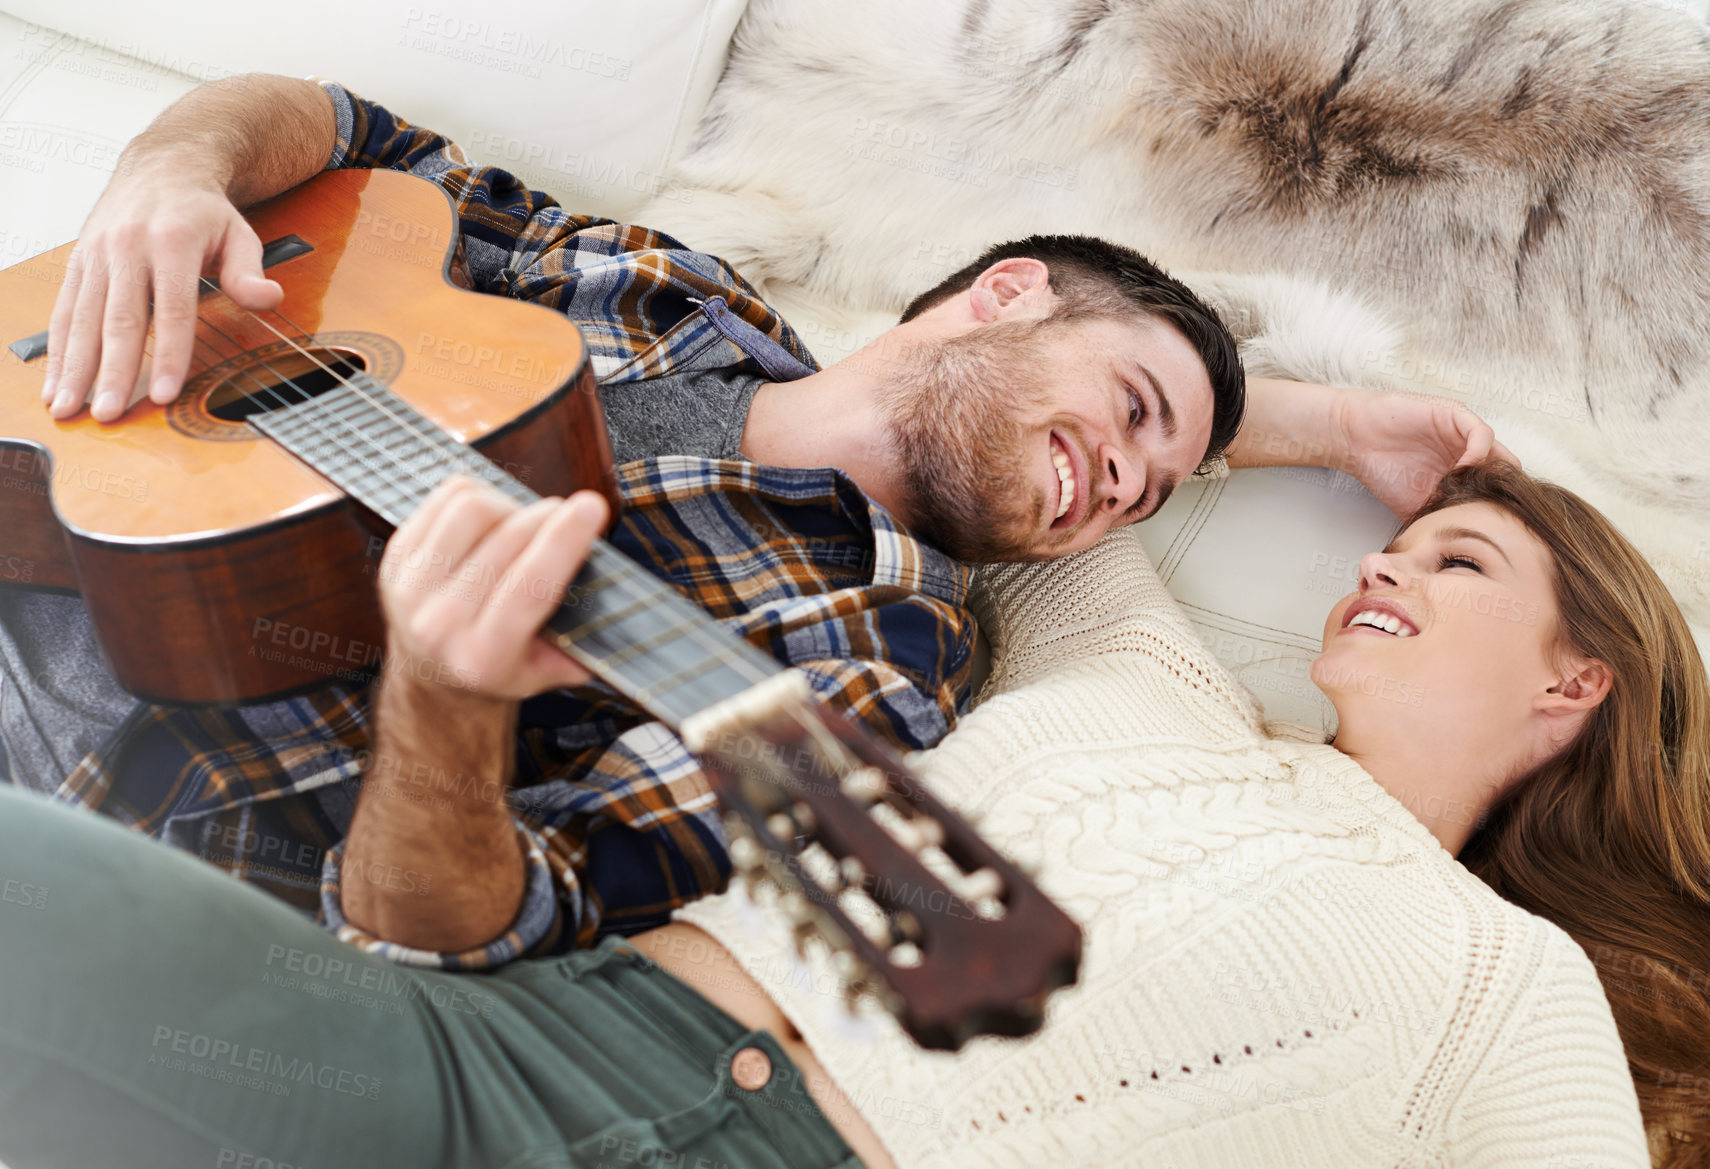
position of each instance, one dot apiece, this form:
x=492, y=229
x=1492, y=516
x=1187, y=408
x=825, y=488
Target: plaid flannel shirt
x=618, y=825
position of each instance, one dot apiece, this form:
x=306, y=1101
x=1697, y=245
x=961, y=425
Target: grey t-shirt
x=59, y=700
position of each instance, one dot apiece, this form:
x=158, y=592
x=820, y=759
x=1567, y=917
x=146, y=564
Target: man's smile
x=1070, y=467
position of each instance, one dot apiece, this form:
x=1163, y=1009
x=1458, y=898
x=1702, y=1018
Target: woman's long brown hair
x=1610, y=839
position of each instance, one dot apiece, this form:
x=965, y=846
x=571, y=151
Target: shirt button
x=751, y=1068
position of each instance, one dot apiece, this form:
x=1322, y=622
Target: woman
x=1284, y=963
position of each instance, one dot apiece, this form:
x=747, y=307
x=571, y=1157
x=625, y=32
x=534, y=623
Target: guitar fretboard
x=635, y=633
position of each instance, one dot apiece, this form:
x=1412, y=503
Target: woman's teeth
x=1384, y=621
x=1066, y=479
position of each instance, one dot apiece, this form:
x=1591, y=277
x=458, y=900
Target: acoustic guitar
x=259, y=502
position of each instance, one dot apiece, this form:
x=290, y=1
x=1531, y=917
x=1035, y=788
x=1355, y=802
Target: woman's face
x=1450, y=632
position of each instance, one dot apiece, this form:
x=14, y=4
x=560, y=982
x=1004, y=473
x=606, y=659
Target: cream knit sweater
x=1282, y=966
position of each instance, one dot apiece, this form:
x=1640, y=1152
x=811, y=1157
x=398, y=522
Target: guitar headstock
x=918, y=910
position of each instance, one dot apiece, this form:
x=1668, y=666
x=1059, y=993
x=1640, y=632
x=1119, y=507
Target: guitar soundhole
x=281, y=380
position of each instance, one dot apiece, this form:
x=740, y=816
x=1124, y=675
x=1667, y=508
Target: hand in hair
x=1400, y=445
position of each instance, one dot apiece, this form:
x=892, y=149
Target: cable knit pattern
x=1282, y=965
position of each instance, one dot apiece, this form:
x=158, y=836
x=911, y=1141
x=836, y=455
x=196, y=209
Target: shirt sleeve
x=611, y=846
x=519, y=242
x=616, y=846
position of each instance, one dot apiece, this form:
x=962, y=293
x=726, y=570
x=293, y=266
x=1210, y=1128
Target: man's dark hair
x=1094, y=278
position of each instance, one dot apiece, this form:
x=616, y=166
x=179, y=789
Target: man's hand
x=466, y=583
x=169, y=217
x=1400, y=445
x=469, y=579
x=154, y=232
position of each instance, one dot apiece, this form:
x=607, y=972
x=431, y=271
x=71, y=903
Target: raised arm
x=168, y=215
x=1398, y=445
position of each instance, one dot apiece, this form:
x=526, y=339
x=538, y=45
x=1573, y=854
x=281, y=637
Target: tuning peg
x=981, y=884
x=865, y=784
x=796, y=907
x=746, y=853
x=853, y=874
x=917, y=834
x=781, y=826
x=800, y=934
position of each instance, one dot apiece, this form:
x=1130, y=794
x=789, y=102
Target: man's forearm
x=1289, y=424
x=254, y=135
x=433, y=810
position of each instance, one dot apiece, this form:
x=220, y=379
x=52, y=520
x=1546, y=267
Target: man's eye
x=1462, y=561
x=1136, y=410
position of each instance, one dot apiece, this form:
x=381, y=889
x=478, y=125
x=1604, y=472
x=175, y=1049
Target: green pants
x=154, y=1012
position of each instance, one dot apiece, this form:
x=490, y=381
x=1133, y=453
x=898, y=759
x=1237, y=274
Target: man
x=1054, y=389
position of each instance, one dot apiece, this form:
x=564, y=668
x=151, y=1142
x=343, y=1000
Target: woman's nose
x=1378, y=569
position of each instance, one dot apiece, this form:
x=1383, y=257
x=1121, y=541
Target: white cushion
x=1257, y=560
x=586, y=99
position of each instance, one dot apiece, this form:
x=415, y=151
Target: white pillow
x=586, y=99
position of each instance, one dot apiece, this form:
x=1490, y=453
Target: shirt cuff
x=344, y=112
x=536, y=922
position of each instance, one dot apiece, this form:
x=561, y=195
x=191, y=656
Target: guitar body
x=216, y=566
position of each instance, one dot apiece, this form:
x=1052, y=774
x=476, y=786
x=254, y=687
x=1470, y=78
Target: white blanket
x=1508, y=203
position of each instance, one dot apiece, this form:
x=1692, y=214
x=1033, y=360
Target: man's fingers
x=176, y=286
x=438, y=536
x=124, y=328
x=59, y=323
x=1498, y=451
x=474, y=510
x=412, y=533
x=1478, y=445
x=552, y=668
x=544, y=569
x=82, y=345
x=240, y=268
x=487, y=568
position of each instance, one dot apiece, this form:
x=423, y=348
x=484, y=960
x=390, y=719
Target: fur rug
x=1505, y=201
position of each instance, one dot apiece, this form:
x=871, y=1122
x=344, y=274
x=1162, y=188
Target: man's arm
x=171, y=209
x=1398, y=445
x=462, y=652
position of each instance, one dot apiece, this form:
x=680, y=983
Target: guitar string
x=624, y=580
x=637, y=648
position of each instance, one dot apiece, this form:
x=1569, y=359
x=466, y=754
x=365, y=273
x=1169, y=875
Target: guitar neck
x=627, y=627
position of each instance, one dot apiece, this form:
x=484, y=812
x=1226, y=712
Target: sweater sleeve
x=1555, y=1091
x=1107, y=599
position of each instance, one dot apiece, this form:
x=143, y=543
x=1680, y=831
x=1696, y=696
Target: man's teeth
x=1066, y=478
x=1384, y=621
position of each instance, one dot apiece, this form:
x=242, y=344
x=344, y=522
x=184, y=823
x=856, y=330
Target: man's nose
x=1378, y=569
x=1124, y=480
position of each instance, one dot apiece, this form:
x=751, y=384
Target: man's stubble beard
x=953, y=418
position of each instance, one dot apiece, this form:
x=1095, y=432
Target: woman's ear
x=1584, y=683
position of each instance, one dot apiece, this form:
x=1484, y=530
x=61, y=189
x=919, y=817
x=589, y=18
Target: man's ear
x=1010, y=286
x=1584, y=683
